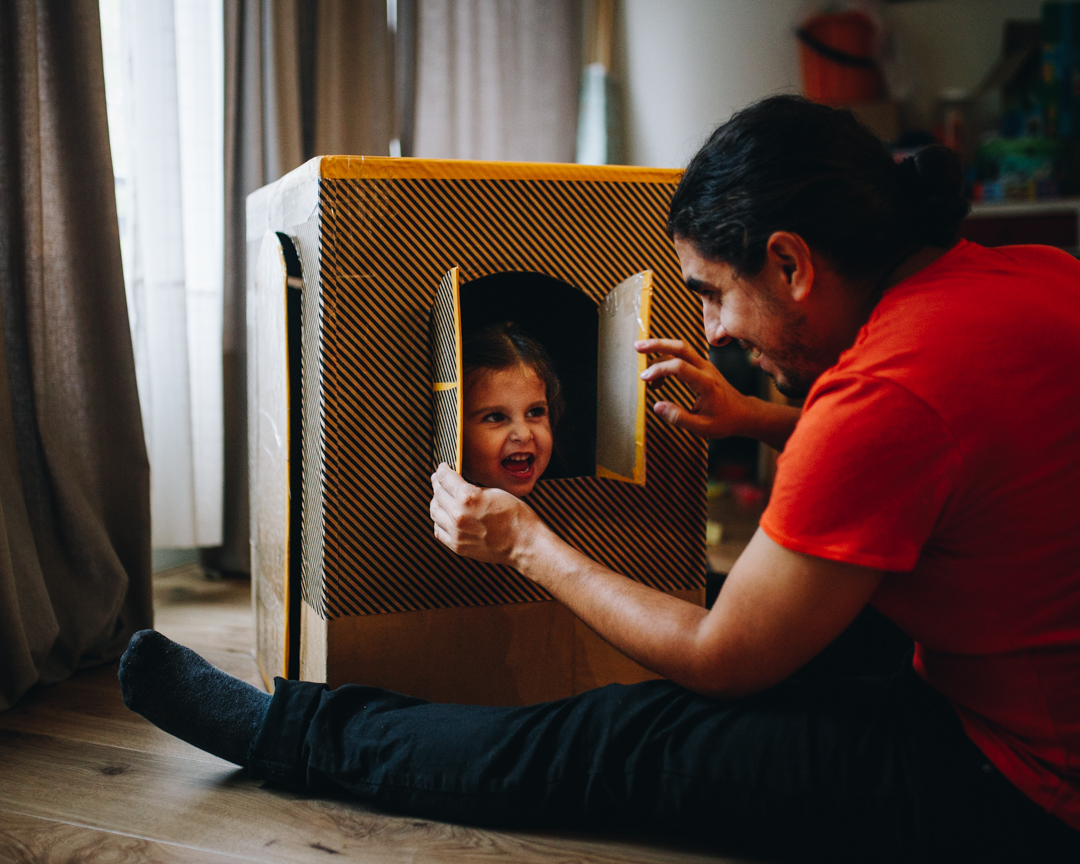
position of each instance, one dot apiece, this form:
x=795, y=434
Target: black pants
x=828, y=765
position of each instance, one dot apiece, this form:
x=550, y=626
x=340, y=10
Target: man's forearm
x=778, y=609
x=655, y=629
x=770, y=422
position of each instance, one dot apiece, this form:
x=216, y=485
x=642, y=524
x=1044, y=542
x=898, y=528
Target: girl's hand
x=486, y=524
x=719, y=409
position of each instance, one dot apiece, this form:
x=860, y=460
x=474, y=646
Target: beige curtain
x=74, y=477
x=497, y=79
x=301, y=79
x=354, y=79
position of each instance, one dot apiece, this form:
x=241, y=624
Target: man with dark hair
x=931, y=473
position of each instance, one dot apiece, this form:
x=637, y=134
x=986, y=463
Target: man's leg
x=836, y=770
x=866, y=769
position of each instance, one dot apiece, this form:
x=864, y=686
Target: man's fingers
x=673, y=347
x=678, y=368
x=444, y=538
x=660, y=346
x=451, y=481
x=442, y=505
x=445, y=498
x=441, y=519
x=680, y=418
x=446, y=510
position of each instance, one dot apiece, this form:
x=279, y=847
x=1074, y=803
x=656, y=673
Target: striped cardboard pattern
x=386, y=243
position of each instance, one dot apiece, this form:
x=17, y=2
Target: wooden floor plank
x=89, y=708
x=205, y=806
x=204, y=614
x=187, y=590
x=44, y=841
x=205, y=637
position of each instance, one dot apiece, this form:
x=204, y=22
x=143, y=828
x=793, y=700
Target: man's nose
x=714, y=330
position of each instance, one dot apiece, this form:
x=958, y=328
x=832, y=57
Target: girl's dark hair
x=785, y=164
x=503, y=346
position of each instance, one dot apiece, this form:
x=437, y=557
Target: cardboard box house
x=364, y=276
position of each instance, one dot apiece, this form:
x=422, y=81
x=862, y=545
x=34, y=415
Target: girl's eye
x=494, y=417
x=538, y=411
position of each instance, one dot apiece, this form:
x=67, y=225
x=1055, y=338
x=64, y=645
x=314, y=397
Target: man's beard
x=798, y=361
x=798, y=366
x=792, y=385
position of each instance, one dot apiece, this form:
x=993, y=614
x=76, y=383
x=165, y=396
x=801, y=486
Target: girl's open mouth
x=519, y=465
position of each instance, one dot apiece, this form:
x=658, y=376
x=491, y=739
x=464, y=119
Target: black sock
x=179, y=692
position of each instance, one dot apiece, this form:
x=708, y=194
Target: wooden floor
x=84, y=779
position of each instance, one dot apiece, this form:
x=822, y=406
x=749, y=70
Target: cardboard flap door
x=446, y=415
x=620, y=398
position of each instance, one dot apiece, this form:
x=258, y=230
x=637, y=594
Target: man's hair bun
x=931, y=195
x=786, y=164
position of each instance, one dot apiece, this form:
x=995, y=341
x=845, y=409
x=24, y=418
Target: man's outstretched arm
x=776, y=611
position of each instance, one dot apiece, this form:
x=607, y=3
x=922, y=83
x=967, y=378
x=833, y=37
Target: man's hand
x=719, y=409
x=486, y=524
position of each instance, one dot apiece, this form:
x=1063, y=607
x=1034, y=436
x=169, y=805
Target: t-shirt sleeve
x=864, y=477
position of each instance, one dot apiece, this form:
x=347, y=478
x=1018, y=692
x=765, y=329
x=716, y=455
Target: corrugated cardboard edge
x=285, y=203
x=387, y=168
x=644, y=326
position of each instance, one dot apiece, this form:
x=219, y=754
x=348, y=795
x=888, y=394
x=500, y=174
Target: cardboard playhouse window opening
x=602, y=432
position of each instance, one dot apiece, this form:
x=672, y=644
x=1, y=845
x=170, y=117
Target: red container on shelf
x=836, y=56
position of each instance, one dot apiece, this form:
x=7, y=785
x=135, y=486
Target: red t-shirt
x=944, y=448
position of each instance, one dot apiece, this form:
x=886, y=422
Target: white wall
x=690, y=63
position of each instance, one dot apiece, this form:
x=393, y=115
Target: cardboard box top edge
x=281, y=205
x=386, y=167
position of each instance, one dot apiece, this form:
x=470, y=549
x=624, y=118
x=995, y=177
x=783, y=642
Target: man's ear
x=790, y=259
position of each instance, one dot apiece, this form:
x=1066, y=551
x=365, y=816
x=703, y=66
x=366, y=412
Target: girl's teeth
x=518, y=464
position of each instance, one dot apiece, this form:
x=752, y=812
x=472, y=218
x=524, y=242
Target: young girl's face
x=506, y=429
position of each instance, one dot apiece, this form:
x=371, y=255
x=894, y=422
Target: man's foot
x=179, y=692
